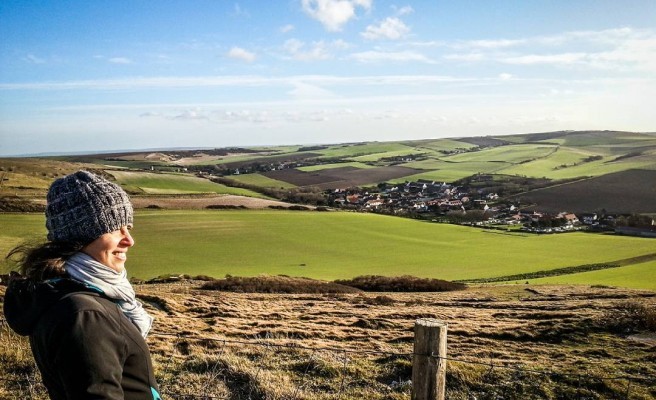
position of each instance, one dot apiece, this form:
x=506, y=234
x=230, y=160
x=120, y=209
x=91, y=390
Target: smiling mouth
x=120, y=256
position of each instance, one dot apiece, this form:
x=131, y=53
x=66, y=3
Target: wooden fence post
x=429, y=360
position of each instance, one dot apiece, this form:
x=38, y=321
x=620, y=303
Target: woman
x=73, y=299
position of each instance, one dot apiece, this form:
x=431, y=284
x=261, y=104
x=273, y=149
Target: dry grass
x=356, y=346
x=19, y=378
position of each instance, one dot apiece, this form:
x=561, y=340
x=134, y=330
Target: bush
x=629, y=317
x=276, y=284
x=405, y=283
x=16, y=204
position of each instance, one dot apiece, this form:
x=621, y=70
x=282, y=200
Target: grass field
x=388, y=154
x=511, y=154
x=441, y=144
x=151, y=183
x=622, y=276
x=437, y=170
x=544, y=168
x=363, y=149
x=342, y=245
x=261, y=180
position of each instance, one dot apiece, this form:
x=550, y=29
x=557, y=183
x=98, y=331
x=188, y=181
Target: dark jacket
x=83, y=344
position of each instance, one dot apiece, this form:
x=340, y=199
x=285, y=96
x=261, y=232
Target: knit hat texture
x=83, y=206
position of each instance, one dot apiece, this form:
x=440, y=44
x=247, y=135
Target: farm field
x=437, y=170
x=622, y=276
x=512, y=154
x=388, y=154
x=152, y=183
x=341, y=245
x=341, y=177
x=261, y=180
x=362, y=149
x=624, y=192
x=441, y=144
x=546, y=168
x=319, y=167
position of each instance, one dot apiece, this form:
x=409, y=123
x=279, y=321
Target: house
x=571, y=219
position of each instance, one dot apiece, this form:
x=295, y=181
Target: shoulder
x=83, y=308
x=84, y=301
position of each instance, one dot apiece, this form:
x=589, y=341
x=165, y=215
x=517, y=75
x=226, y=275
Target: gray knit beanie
x=83, y=206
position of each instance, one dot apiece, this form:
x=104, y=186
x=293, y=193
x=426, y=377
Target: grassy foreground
x=340, y=245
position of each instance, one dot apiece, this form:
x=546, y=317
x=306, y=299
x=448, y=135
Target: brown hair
x=41, y=261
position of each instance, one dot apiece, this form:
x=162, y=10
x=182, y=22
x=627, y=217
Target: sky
x=82, y=76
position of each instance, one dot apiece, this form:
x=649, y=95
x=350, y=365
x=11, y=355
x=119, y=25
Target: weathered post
x=429, y=360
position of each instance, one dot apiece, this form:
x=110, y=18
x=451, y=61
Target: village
x=449, y=203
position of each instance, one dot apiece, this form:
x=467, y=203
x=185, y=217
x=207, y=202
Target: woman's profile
x=73, y=299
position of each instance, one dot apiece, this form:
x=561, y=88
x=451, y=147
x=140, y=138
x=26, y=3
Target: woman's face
x=111, y=248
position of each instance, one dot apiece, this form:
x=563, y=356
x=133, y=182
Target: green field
x=441, y=144
x=622, y=276
x=347, y=151
x=261, y=180
x=511, y=154
x=545, y=168
x=341, y=245
x=437, y=170
x=388, y=154
x=151, y=183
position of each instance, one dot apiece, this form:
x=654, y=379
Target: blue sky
x=100, y=75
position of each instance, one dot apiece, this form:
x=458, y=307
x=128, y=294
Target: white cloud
x=287, y=28
x=119, y=60
x=505, y=76
x=468, y=57
x=492, y=44
x=333, y=14
x=31, y=58
x=149, y=114
x=390, y=28
x=239, y=80
x=339, y=44
x=306, y=91
x=400, y=56
x=405, y=10
x=191, y=115
x=238, y=53
x=315, y=51
x=620, y=50
x=237, y=12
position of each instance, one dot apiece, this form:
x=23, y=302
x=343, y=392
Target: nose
x=127, y=239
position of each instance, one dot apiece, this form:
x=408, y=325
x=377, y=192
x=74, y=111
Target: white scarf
x=115, y=285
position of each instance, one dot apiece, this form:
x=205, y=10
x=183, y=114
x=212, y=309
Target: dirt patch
x=625, y=192
x=343, y=177
x=648, y=338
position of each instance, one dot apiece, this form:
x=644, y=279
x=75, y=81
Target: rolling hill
x=599, y=167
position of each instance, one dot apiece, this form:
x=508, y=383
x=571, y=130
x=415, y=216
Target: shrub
x=405, y=283
x=276, y=284
x=16, y=204
x=628, y=317
x=298, y=208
